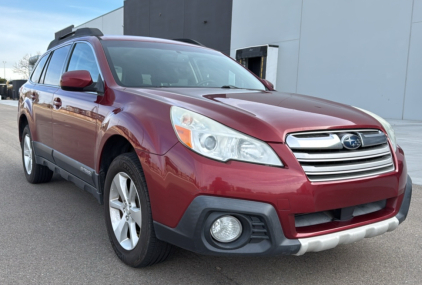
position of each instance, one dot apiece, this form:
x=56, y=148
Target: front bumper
x=264, y=234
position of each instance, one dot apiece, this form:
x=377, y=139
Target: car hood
x=267, y=115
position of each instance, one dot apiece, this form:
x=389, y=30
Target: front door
x=75, y=120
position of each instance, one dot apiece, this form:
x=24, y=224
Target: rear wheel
x=128, y=214
x=34, y=172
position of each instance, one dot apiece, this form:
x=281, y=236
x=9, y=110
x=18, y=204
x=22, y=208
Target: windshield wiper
x=235, y=87
x=230, y=87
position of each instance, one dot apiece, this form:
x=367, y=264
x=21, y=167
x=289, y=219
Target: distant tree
x=3, y=81
x=22, y=66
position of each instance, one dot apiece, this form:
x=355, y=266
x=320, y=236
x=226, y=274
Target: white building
x=110, y=23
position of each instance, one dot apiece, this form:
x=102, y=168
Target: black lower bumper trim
x=192, y=234
x=404, y=209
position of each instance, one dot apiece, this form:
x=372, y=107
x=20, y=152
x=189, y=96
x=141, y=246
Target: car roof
x=185, y=42
x=93, y=32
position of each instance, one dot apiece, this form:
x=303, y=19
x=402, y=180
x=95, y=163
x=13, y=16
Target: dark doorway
x=254, y=65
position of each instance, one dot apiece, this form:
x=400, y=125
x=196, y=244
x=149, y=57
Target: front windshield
x=148, y=64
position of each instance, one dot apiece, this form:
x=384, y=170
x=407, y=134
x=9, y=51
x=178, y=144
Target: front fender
x=119, y=123
x=143, y=121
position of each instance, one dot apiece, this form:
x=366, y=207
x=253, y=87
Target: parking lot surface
x=55, y=233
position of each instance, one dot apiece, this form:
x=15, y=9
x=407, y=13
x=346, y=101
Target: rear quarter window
x=40, y=66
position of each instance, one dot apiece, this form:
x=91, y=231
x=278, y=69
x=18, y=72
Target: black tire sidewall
x=135, y=257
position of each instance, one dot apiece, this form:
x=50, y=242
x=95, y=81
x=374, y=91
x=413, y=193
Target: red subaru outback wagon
x=186, y=147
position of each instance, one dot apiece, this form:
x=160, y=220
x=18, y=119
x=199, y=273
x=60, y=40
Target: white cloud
x=27, y=32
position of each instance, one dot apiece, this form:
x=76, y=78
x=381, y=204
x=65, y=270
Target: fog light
x=226, y=229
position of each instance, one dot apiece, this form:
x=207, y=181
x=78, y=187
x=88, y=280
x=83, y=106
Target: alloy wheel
x=125, y=211
x=27, y=154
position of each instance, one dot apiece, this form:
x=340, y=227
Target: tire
x=34, y=172
x=128, y=214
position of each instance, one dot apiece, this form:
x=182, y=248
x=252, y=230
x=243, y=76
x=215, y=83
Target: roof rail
x=82, y=32
x=189, y=41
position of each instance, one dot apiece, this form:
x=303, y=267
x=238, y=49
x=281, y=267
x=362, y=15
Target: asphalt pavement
x=54, y=233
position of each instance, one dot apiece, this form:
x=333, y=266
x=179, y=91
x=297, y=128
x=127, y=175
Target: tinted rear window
x=55, y=67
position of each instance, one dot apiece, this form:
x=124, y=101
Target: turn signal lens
x=185, y=135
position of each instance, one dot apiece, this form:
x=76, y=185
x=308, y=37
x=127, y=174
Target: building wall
x=362, y=53
x=110, y=23
x=208, y=22
x=413, y=96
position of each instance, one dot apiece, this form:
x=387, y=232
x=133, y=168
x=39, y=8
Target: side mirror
x=81, y=80
x=76, y=80
x=268, y=84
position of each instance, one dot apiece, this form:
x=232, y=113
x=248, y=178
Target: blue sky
x=27, y=27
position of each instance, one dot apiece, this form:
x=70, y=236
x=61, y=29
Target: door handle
x=57, y=102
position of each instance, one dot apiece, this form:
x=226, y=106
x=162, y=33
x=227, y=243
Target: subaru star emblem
x=351, y=141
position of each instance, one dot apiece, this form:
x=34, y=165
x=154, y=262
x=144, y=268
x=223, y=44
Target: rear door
x=46, y=84
x=42, y=129
x=75, y=119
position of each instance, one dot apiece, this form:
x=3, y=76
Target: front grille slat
x=331, y=177
x=348, y=171
x=355, y=167
x=345, y=155
x=325, y=163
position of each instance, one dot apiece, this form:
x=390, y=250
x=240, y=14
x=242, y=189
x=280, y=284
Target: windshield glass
x=147, y=64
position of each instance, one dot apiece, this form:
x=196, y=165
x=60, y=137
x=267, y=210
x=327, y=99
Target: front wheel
x=128, y=214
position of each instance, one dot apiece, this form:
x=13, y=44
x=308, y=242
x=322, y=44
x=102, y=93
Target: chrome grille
x=324, y=158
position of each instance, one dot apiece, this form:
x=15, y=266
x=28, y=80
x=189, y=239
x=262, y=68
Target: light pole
x=4, y=68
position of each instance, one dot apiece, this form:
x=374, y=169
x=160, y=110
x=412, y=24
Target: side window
x=83, y=59
x=55, y=67
x=37, y=72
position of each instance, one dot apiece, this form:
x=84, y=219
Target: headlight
x=214, y=140
x=388, y=128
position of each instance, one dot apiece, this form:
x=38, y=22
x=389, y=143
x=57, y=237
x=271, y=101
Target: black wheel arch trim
x=43, y=151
